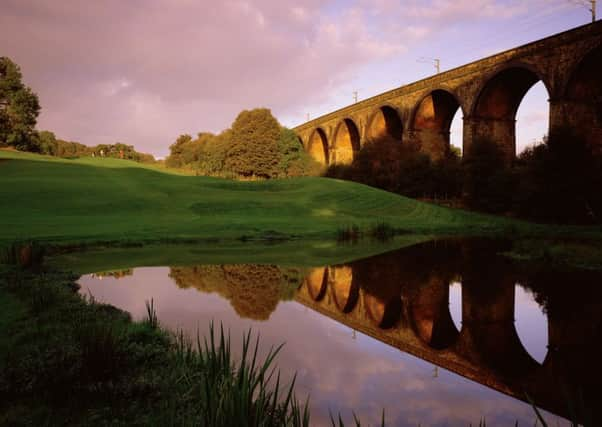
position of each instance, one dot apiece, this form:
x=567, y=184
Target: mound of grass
x=93, y=199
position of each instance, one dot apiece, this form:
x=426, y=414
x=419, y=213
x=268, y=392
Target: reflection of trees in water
x=116, y=274
x=253, y=290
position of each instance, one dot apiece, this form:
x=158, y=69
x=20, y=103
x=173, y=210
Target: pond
x=438, y=333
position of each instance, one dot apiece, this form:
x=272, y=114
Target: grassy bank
x=68, y=361
x=92, y=200
x=564, y=253
x=292, y=253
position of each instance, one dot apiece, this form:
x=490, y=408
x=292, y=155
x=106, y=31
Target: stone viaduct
x=398, y=301
x=487, y=92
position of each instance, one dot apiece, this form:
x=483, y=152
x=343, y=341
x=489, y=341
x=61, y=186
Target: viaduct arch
x=488, y=92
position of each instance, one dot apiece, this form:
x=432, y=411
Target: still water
x=443, y=333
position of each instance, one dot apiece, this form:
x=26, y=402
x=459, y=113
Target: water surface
x=437, y=334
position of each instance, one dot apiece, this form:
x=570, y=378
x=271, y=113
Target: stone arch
x=584, y=89
x=584, y=75
x=346, y=142
x=317, y=146
x=493, y=113
x=345, y=291
x=385, y=122
x=316, y=282
x=431, y=121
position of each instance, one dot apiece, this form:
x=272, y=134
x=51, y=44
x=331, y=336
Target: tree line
x=557, y=181
x=19, y=110
x=256, y=146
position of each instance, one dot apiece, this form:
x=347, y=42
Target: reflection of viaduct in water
x=405, y=303
x=487, y=92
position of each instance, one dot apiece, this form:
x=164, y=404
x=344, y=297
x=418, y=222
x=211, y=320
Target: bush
x=561, y=181
x=488, y=179
x=388, y=164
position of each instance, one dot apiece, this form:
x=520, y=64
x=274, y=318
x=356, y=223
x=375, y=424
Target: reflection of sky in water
x=340, y=372
x=530, y=321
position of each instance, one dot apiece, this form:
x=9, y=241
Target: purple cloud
x=144, y=71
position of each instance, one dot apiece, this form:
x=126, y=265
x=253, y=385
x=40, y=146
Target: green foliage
x=488, y=179
x=558, y=181
x=214, y=154
x=120, y=151
x=402, y=168
x=253, y=150
x=349, y=233
x=178, y=149
x=382, y=231
x=19, y=109
x=294, y=160
x=74, y=359
x=86, y=199
x=22, y=254
x=255, y=147
x=50, y=145
x=151, y=314
x=561, y=180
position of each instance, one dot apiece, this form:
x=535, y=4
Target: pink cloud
x=144, y=71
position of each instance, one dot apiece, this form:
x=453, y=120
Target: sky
x=143, y=72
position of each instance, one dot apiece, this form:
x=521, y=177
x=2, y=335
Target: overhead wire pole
x=591, y=7
x=355, y=96
x=435, y=61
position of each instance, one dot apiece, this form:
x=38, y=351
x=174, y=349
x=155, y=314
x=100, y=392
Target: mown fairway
x=93, y=199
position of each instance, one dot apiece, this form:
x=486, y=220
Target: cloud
x=100, y=67
x=145, y=71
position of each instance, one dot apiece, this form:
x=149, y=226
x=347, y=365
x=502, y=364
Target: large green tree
x=253, y=150
x=19, y=109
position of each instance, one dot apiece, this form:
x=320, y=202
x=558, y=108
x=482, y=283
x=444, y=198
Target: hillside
x=92, y=199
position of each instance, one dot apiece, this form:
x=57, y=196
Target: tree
x=47, y=143
x=19, y=109
x=488, y=179
x=174, y=160
x=294, y=160
x=213, y=153
x=561, y=180
x=253, y=151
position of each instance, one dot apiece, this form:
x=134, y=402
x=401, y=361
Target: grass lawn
x=99, y=199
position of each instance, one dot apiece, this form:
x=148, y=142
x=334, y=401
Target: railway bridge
x=488, y=93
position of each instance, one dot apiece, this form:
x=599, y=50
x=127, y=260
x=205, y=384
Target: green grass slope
x=94, y=199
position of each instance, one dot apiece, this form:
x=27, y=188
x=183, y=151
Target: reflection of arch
x=385, y=122
x=432, y=118
x=430, y=316
x=344, y=291
x=498, y=101
x=488, y=334
x=526, y=307
x=346, y=142
x=316, y=282
x=317, y=146
x=385, y=314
